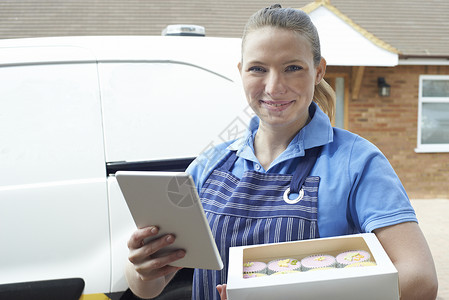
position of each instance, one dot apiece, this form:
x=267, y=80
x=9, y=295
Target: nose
x=275, y=84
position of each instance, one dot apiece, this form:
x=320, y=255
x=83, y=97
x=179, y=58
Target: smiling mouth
x=276, y=103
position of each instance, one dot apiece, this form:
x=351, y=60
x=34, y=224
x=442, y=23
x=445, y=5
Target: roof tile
x=415, y=28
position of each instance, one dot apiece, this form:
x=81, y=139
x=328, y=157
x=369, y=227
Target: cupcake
x=350, y=257
x=285, y=272
x=318, y=261
x=286, y=264
x=362, y=264
x=323, y=268
x=254, y=275
x=254, y=267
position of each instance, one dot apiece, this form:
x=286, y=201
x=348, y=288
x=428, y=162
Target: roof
x=314, y=6
x=344, y=43
x=414, y=28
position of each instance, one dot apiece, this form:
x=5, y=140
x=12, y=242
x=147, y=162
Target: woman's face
x=279, y=76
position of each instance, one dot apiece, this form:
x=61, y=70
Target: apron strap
x=229, y=161
x=303, y=169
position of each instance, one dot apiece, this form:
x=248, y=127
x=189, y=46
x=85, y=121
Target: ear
x=239, y=66
x=320, y=71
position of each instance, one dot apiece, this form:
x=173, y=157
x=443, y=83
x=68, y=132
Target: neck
x=270, y=142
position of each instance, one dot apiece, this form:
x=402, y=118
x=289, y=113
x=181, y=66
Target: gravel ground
x=433, y=217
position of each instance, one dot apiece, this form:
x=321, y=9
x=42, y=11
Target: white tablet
x=170, y=201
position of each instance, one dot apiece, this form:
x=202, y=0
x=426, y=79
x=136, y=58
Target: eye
x=293, y=68
x=256, y=69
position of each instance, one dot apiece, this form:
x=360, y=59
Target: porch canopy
x=344, y=43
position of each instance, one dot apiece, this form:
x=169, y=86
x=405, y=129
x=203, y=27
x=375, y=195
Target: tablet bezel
x=147, y=196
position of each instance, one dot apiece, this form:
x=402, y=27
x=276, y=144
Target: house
x=387, y=60
x=402, y=49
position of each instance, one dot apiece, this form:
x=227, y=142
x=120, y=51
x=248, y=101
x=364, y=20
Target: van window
x=164, y=110
x=54, y=110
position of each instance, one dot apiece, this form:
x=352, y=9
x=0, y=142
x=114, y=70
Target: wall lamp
x=384, y=88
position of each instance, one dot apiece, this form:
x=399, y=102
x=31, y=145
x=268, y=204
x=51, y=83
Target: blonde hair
x=299, y=22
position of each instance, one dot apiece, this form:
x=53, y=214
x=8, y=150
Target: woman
x=292, y=176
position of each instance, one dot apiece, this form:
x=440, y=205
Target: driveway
x=433, y=217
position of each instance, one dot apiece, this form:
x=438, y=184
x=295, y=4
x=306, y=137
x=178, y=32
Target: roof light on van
x=184, y=30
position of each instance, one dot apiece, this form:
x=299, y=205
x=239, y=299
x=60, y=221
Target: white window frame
x=428, y=148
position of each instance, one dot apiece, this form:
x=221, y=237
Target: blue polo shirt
x=358, y=192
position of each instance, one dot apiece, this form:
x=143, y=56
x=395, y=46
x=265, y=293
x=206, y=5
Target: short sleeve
x=377, y=197
x=205, y=163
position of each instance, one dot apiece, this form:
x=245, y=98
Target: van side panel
x=53, y=194
x=122, y=226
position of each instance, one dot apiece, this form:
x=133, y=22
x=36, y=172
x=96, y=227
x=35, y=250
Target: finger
x=143, y=253
x=156, y=245
x=160, y=266
x=138, y=236
x=222, y=291
x=161, y=261
x=154, y=274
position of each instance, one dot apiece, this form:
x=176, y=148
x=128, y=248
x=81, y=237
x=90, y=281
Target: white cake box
x=370, y=282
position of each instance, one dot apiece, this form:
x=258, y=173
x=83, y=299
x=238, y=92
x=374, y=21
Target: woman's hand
x=148, y=272
x=221, y=288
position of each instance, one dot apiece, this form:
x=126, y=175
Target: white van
x=73, y=111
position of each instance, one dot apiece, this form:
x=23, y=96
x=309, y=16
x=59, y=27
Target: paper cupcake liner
x=262, y=271
x=322, y=268
x=253, y=275
x=366, y=258
x=285, y=272
x=361, y=264
x=263, y=268
x=297, y=266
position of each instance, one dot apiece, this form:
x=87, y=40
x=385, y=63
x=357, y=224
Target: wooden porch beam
x=356, y=81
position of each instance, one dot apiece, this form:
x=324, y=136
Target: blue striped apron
x=252, y=210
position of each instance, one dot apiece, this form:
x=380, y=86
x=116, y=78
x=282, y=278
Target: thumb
x=221, y=288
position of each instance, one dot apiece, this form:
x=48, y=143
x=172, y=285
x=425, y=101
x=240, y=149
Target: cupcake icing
x=317, y=261
x=285, y=272
x=362, y=264
x=286, y=264
x=253, y=275
x=254, y=267
x=350, y=257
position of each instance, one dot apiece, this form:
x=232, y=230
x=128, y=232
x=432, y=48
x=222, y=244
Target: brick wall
x=391, y=124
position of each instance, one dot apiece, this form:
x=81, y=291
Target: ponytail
x=324, y=96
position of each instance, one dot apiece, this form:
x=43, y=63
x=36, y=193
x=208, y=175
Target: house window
x=338, y=83
x=433, y=114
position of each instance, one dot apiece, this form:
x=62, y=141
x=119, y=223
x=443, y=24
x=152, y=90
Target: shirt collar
x=317, y=132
